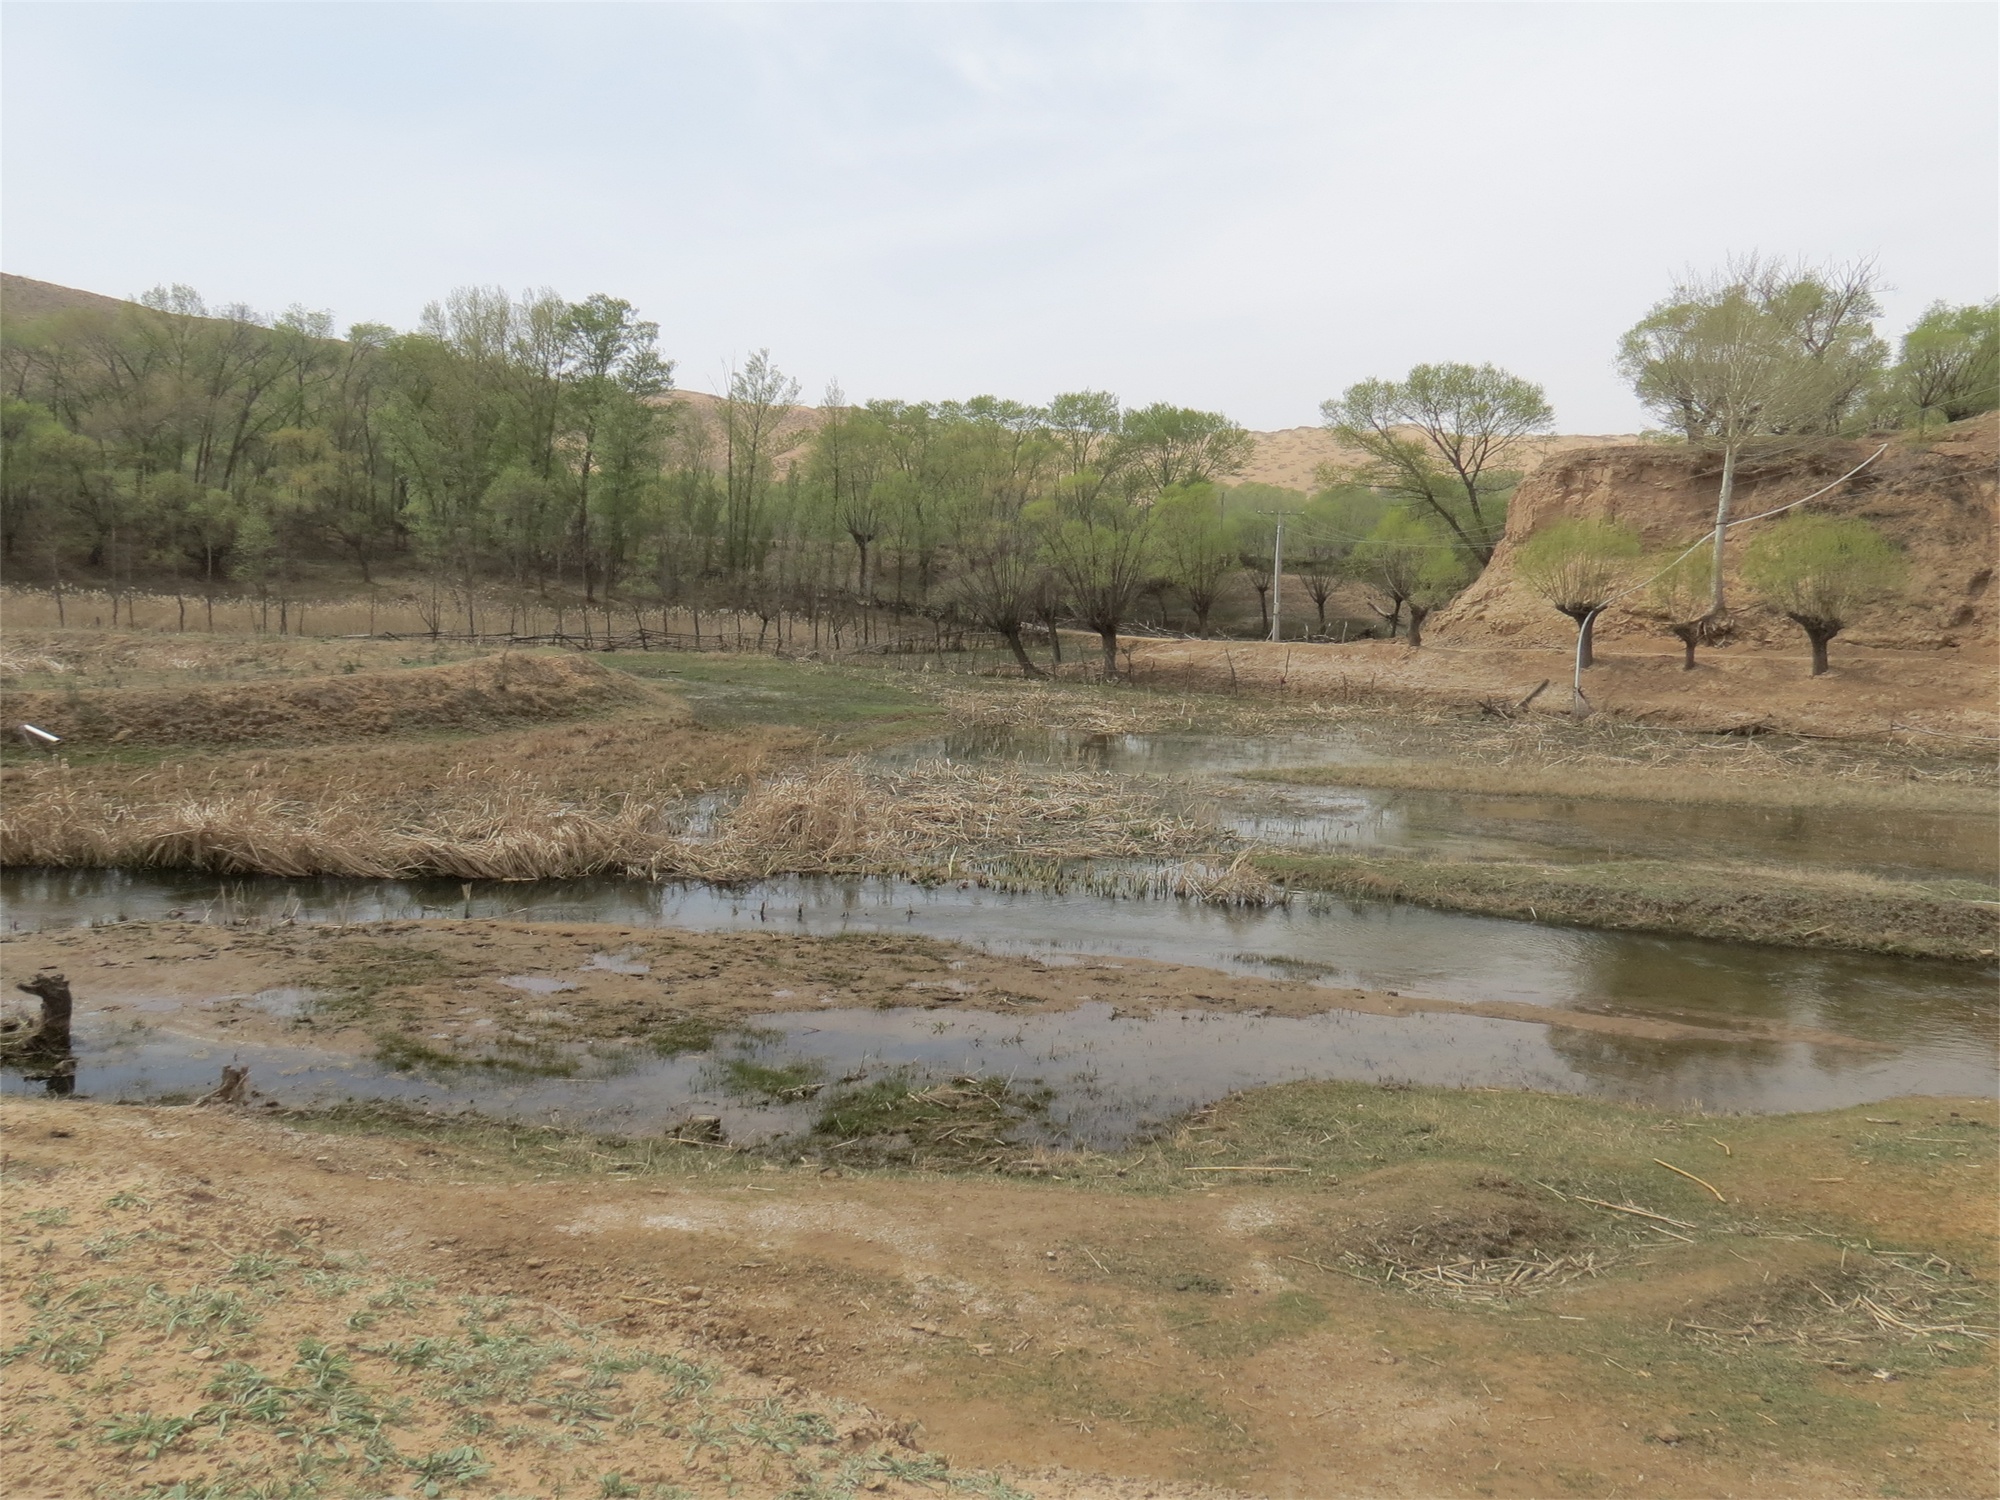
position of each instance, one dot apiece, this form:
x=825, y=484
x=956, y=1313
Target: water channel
x=1928, y=1027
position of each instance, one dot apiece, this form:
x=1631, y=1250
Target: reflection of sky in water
x=1897, y=844
x=1926, y=1009
x=1113, y=1075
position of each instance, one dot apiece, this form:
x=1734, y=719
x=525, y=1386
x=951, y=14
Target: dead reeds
x=1004, y=827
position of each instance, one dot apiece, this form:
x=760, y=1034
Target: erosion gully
x=1112, y=1076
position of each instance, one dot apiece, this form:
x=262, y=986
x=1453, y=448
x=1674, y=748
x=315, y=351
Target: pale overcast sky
x=1243, y=207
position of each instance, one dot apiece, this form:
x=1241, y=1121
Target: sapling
x=1818, y=570
x=1577, y=566
x=1679, y=597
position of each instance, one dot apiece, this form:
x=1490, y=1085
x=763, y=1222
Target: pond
x=1932, y=1024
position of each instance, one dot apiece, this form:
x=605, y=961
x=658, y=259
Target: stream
x=1113, y=1076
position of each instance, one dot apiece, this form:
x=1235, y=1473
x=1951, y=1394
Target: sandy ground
x=1158, y=1340
x=1929, y=697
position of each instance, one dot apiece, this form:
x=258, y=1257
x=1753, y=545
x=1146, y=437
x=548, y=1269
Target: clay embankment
x=1936, y=500
x=1921, y=662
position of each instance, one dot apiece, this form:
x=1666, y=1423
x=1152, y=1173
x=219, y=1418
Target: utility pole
x=1277, y=578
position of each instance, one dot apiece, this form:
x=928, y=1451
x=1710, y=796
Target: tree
x=1818, y=570
x=1577, y=566
x=1099, y=544
x=1412, y=563
x=1441, y=439
x=1195, y=549
x=1679, y=597
x=1163, y=446
x=1757, y=349
x=1333, y=522
x=1951, y=362
x=757, y=431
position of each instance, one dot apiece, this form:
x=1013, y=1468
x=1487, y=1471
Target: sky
x=1243, y=207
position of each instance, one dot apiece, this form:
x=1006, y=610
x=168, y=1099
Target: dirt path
x=1207, y=1335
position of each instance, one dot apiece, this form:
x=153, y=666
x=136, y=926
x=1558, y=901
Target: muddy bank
x=547, y=982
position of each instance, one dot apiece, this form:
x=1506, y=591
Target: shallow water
x=1938, y=1018
x=1898, y=844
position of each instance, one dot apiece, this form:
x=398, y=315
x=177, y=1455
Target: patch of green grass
x=1235, y=1333
x=406, y=1054
x=682, y=1033
x=793, y=1080
x=354, y=976
x=728, y=691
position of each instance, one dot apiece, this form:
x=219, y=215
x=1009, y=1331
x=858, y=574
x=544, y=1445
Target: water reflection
x=1938, y=1017
x=1897, y=844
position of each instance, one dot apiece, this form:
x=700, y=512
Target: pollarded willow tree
x=1445, y=439
x=1678, y=597
x=1760, y=349
x=1578, y=566
x=1819, y=570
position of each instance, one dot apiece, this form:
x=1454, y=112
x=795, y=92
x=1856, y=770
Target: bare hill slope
x=23, y=299
x=1936, y=499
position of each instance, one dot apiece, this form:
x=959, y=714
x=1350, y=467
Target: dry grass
x=1094, y=709
x=66, y=659
x=934, y=821
x=509, y=688
x=1754, y=903
x=841, y=817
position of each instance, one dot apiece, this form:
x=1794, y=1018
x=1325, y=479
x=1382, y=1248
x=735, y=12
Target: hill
x=24, y=299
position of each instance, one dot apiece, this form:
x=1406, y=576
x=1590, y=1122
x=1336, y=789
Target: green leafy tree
x=1414, y=564
x=1950, y=365
x=1195, y=550
x=1443, y=439
x=1755, y=350
x=1577, y=565
x=1819, y=570
x=1099, y=546
x=1163, y=446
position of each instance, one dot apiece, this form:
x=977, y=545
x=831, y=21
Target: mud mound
x=1490, y=1218
x=484, y=694
x=1936, y=499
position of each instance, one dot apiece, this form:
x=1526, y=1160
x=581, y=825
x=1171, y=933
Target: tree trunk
x=1110, y=640
x=1819, y=632
x=1416, y=631
x=1586, y=627
x=1723, y=498
x=1014, y=644
x=1688, y=634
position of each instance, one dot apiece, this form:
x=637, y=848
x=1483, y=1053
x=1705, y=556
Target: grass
x=794, y=1080
x=844, y=704
x=1697, y=784
x=960, y=1124
x=485, y=693
x=1740, y=903
x=425, y=1394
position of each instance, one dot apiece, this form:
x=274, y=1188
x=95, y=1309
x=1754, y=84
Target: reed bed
x=935, y=821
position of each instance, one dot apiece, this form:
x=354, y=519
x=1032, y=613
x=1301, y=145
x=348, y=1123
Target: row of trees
x=538, y=444
x=1815, y=570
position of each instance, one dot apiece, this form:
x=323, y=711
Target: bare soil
x=1189, y=1316
x=1926, y=697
